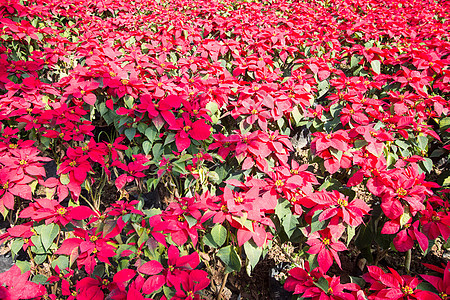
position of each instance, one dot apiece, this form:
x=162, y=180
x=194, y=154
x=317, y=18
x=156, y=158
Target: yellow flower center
x=238, y=199
x=342, y=202
x=73, y=163
x=187, y=128
x=401, y=192
x=326, y=241
x=279, y=183
x=62, y=211
x=22, y=162
x=125, y=81
x=254, y=112
x=435, y=218
x=407, y=290
x=93, y=238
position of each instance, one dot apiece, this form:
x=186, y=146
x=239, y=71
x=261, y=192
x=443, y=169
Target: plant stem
x=224, y=282
x=408, y=261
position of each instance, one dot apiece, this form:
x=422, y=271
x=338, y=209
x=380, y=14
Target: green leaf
x=336, y=153
x=428, y=164
x=142, y=127
x=39, y=278
x=253, y=253
x=230, y=258
x=16, y=245
x=191, y=220
x=444, y=123
x=156, y=150
x=130, y=133
x=146, y=146
x=355, y=60
x=315, y=224
x=213, y=107
x=323, y=88
x=446, y=181
x=219, y=234
x=426, y=286
x=289, y=223
x=335, y=109
x=376, y=64
x=151, y=133
x=358, y=280
x=244, y=221
x=350, y=233
x=40, y=258
x=422, y=142
x=48, y=234
x=322, y=283
x=402, y=144
x=168, y=292
x=62, y=262
x=37, y=248
x=360, y=143
x=283, y=208
x=296, y=115
x=64, y=178
x=209, y=241
x=24, y=266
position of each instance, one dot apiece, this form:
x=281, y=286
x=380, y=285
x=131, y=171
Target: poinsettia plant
x=148, y=145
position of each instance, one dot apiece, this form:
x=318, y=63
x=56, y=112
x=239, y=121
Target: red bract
x=94, y=288
x=442, y=284
x=134, y=170
x=326, y=247
x=15, y=285
x=52, y=212
x=190, y=283
x=154, y=282
x=181, y=220
x=398, y=185
x=404, y=240
x=179, y=264
x=187, y=129
x=301, y=281
x=435, y=222
x=83, y=90
x=393, y=286
x=336, y=206
x=87, y=248
x=77, y=165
